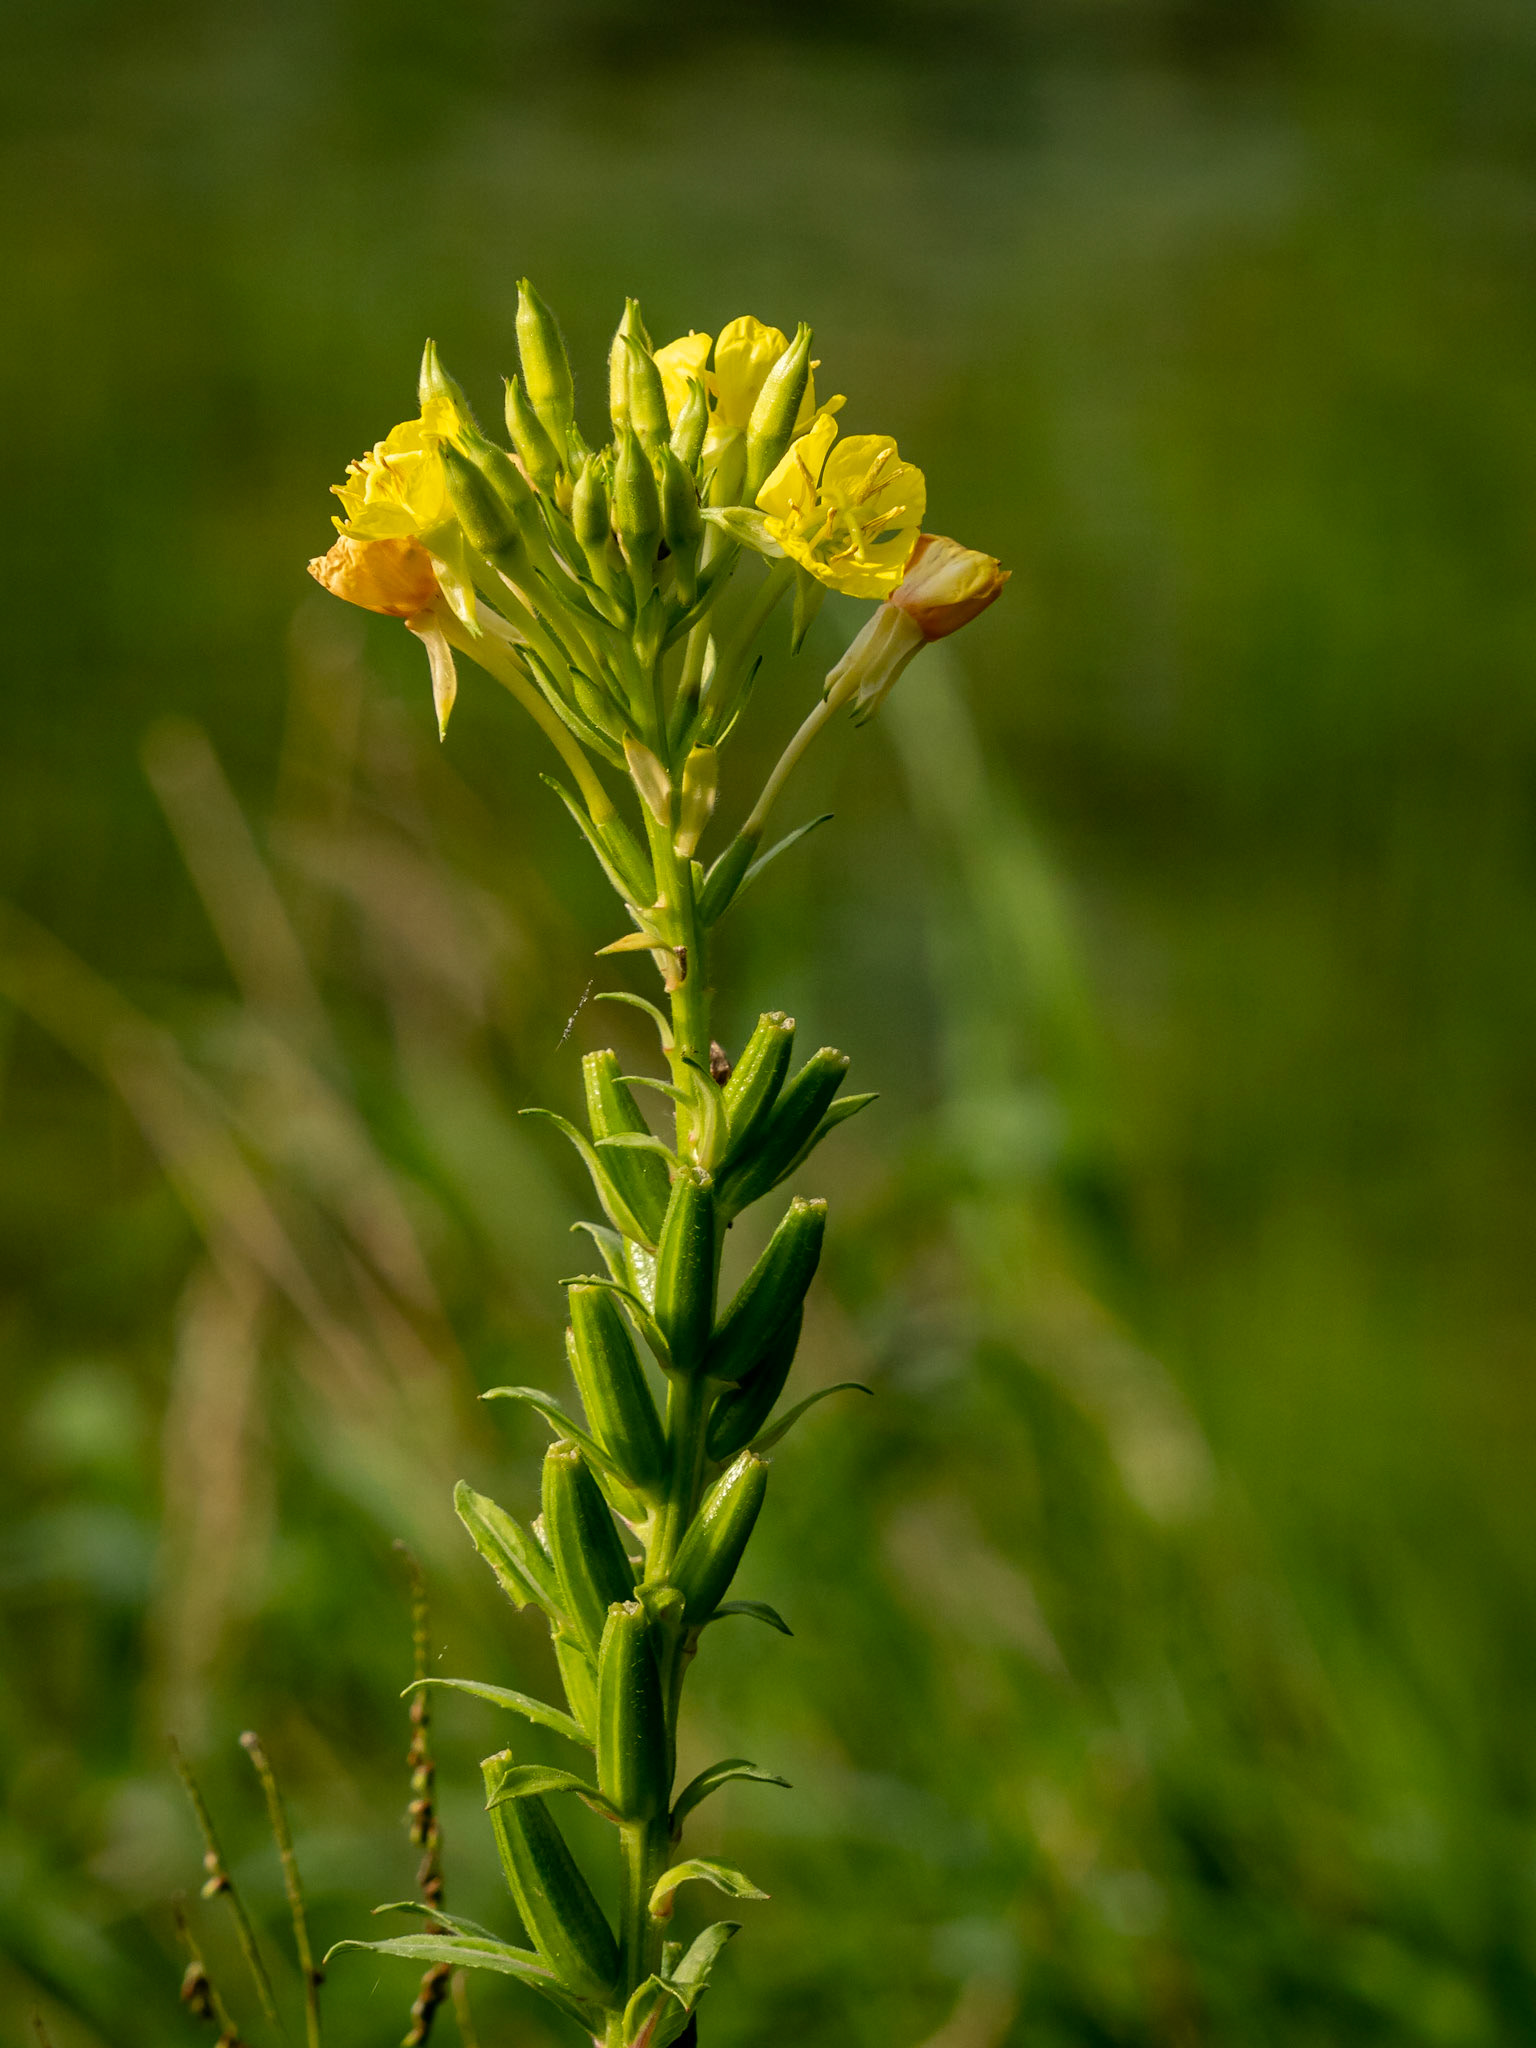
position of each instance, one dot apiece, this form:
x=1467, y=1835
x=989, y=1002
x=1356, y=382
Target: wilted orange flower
x=946, y=585
x=393, y=575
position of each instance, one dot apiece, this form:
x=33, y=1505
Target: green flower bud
x=554, y=1901
x=772, y=425
x=788, y=1127
x=636, y=512
x=633, y=1769
x=647, y=399
x=639, y=1176
x=584, y=1545
x=630, y=328
x=756, y=1080
x=685, y=1269
x=546, y=367
x=742, y=1410
x=772, y=1292
x=611, y=1382
x=433, y=381
x=682, y=524
x=488, y=522
x=536, y=451
x=692, y=426
x=709, y=1554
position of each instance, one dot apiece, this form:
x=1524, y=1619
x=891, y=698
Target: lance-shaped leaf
x=460, y=1952
x=705, y=1869
x=527, y=1781
x=755, y=1610
x=691, y=1974
x=712, y=1779
x=839, y=1113
x=609, y=1472
x=657, y=1017
x=642, y=1273
x=780, y=846
x=618, y=1211
x=522, y=1570
x=514, y=1703
x=455, y=1923
x=786, y=1423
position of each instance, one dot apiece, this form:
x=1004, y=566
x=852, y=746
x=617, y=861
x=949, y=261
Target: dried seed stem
x=219, y=1883
x=250, y=1742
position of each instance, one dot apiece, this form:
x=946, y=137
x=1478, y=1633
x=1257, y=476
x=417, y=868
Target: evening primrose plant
x=621, y=591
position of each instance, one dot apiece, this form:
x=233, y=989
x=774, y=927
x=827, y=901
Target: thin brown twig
x=219, y=1883
x=44, y=2038
x=198, y=1992
x=250, y=1742
x=426, y=1832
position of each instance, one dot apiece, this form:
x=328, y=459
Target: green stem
x=784, y=767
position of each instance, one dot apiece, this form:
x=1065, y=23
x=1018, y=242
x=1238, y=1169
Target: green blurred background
x=1164, y=1667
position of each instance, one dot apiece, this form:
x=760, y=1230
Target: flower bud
x=791, y=1122
x=433, y=381
x=692, y=423
x=535, y=450
x=772, y=425
x=546, y=367
x=685, y=1269
x=772, y=1292
x=640, y=1176
x=647, y=399
x=487, y=520
x=742, y=1409
x=636, y=512
x=632, y=1767
x=394, y=576
x=756, y=1079
x=588, y=1557
x=682, y=523
x=701, y=785
x=944, y=587
x=554, y=1901
x=611, y=1381
x=630, y=328
x=709, y=1554
x=592, y=517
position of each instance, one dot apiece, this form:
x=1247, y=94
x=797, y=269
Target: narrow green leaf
x=781, y=846
x=692, y=1973
x=522, y=1570
x=620, y=1214
x=786, y=1423
x=839, y=1113
x=611, y=1477
x=462, y=1953
x=514, y=1702
x=645, y=1322
x=524, y=1781
x=638, y=1141
x=611, y=1245
x=654, y=2016
x=622, y=995
x=706, y=1870
x=716, y=1776
x=757, y=1610
x=661, y=1087
x=454, y=1922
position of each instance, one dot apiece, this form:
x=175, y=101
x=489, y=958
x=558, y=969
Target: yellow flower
x=745, y=353
x=850, y=513
x=399, y=491
x=393, y=574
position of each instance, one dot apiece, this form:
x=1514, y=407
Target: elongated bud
x=590, y=1565
x=611, y=1382
x=685, y=1269
x=592, y=517
x=647, y=399
x=772, y=1292
x=554, y=1901
x=632, y=1762
x=536, y=451
x=742, y=1410
x=701, y=785
x=756, y=1080
x=801, y=1105
x=709, y=1554
x=772, y=425
x=578, y=1674
x=682, y=523
x=636, y=512
x=546, y=367
x=433, y=381
x=630, y=328
x=692, y=425
x=487, y=520
x=651, y=779
x=612, y=1111
x=522, y=1570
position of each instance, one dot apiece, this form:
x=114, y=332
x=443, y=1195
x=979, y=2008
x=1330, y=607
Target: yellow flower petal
x=679, y=362
x=850, y=512
x=744, y=354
